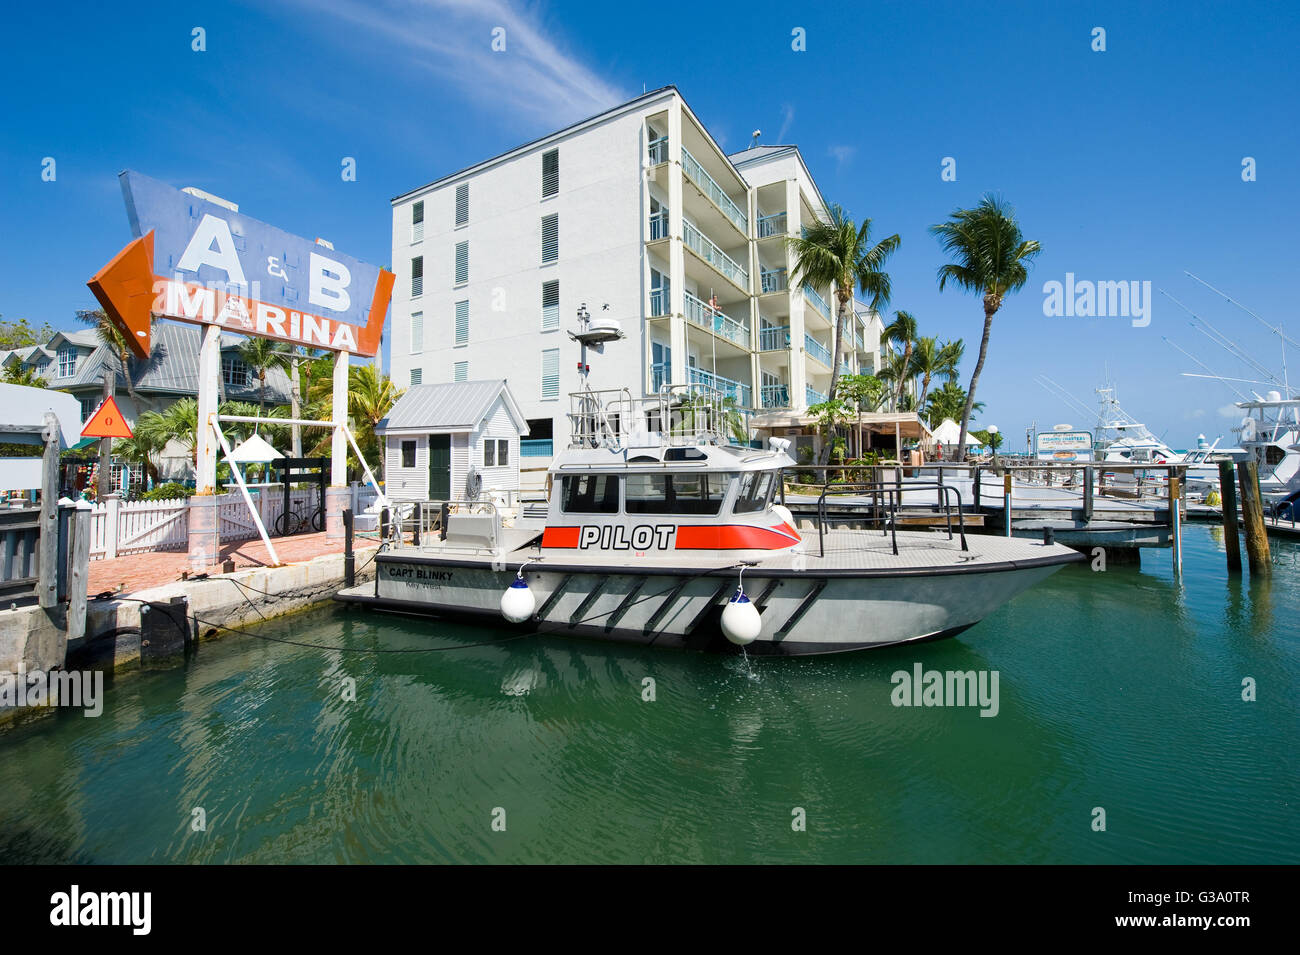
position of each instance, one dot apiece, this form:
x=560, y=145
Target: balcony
x=774, y=338
x=702, y=314
x=659, y=226
x=772, y=225
x=659, y=304
x=735, y=390
x=775, y=396
x=657, y=150
x=710, y=253
x=772, y=280
x=817, y=301
x=817, y=350
x=698, y=175
x=812, y=396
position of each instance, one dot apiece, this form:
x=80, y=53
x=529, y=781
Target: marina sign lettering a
x=196, y=260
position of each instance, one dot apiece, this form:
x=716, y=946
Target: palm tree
x=991, y=259
x=371, y=395
x=901, y=331
x=949, y=402
x=179, y=421
x=894, y=371
x=840, y=254
x=863, y=393
x=934, y=358
x=261, y=355
x=143, y=448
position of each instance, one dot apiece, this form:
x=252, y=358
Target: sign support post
x=205, y=508
x=337, y=497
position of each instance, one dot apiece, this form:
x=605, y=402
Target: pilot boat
x=659, y=529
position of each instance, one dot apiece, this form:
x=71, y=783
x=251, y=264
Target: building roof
x=450, y=406
x=758, y=152
x=172, y=368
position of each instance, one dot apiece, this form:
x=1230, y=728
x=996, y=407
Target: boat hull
x=811, y=612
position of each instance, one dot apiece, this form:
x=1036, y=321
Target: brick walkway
x=142, y=571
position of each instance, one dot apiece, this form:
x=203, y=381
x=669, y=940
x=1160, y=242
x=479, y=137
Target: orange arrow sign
x=107, y=422
x=125, y=288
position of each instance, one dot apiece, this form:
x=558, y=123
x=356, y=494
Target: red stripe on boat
x=735, y=537
x=561, y=536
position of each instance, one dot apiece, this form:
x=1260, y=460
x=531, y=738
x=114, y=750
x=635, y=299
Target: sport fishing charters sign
x=197, y=259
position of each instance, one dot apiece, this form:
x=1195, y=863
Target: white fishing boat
x=1270, y=435
x=658, y=530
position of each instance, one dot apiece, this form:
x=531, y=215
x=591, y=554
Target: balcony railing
x=818, y=302
x=775, y=396
x=659, y=304
x=657, y=149
x=705, y=249
x=774, y=338
x=535, y=448
x=659, y=226
x=660, y=375
x=701, y=314
x=772, y=225
x=701, y=178
x=812, y=396
x=773, y=280
x=727, y=387
x=817, y=350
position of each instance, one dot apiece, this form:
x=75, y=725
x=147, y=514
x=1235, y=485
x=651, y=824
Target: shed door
x=439, y=467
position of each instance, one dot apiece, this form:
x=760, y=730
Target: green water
x=1119, y=690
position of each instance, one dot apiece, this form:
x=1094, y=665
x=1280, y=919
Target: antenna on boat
x=1282, y=336
x=1207, y=368
x=594, y=332
x=1220, y=339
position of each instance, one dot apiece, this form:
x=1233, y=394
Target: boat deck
x=850, y=551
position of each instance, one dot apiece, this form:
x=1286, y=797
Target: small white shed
x=438, y=437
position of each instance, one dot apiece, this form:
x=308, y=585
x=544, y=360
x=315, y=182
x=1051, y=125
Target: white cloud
x=1198, y=413
x=535, y=77
x=1230, y=411
x=787, y=117
x=841, y=155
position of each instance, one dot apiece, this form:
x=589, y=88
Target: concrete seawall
x=32, y=638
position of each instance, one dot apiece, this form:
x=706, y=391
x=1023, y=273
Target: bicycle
x=296, y=521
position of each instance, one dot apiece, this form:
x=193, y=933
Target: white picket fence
x=118, y=529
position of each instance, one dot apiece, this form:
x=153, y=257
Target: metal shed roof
x=449, y=406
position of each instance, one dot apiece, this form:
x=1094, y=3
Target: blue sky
x=1125, y=164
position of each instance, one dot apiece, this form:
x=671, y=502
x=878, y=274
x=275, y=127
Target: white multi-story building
x=639, y=214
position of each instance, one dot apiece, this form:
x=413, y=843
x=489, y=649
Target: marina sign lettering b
x=197, y=260
x=620, y=537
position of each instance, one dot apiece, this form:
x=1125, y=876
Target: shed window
x=408, y=454
x=496, y=453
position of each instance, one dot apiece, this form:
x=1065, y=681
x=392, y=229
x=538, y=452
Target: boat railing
x=456, y=524
x=880, y=503
x=687, y=414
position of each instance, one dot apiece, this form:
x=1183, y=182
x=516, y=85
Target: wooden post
x=1231, y=533
x=1252, y=512
x=975, y=492
x=1175, y=517
x=79, y=575
x=1087, y=493
x=47, y=587
x=349, y=559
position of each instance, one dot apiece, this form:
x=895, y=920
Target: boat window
x=676, y=493
x=684, y=454
x=755, y=492
x=1273, y=455
x=590, y=494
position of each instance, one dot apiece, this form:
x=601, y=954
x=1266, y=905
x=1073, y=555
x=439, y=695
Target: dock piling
x=1252, y=512
x=1006, y=502
x=1175, y=519
x=1087, y=493
x=1231, y=533
x=349, y=558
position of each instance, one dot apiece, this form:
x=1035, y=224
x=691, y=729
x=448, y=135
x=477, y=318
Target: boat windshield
x=700, y=492
x=755, y=493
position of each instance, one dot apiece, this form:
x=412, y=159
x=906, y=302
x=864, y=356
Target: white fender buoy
x=741, y=623
x=518, y=602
